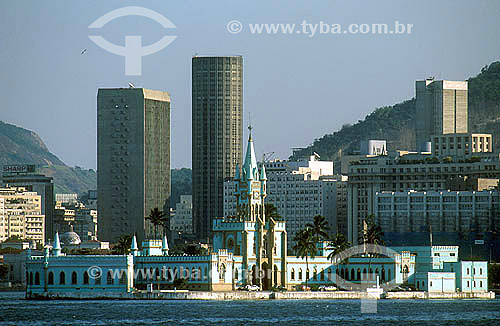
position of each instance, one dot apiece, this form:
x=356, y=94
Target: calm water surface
x=14, y=310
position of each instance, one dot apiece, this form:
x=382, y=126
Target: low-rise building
x=21, y=215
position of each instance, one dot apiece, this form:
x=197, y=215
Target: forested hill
x=396, y=123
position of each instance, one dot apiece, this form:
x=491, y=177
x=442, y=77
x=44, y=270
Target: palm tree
x=305, y=246
x=271, y=211
x=123, y=244
x=372, y=233
x=319, y=227
x=338, y=244
x=157, y=218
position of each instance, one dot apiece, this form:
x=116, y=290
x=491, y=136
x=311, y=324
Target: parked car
x=252, y=288
x=327, y=288
x=302, y=288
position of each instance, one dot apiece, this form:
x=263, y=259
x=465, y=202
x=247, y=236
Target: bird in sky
x=83, y=51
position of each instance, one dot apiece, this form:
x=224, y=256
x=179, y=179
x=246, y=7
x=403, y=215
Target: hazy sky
x=296, y=87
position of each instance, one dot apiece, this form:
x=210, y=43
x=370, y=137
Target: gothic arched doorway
x=266, y=273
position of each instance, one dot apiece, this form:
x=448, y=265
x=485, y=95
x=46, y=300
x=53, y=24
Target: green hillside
x=22, y=146
x=396, y=123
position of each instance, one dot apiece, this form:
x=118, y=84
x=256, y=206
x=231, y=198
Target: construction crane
x=266, y=157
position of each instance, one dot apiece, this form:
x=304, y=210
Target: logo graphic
x=94, y=272
x=368, y=305
x=234, y=27
x=133, y=51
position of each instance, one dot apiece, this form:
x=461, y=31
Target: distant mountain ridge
x=396, y=123
x=22, y=146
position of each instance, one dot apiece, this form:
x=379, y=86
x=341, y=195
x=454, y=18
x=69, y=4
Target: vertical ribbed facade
x=441, y=108
x=217, y=127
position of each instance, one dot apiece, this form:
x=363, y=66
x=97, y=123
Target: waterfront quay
x=266, y=295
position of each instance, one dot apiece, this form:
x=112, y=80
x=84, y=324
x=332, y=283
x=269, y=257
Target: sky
x=297, y=86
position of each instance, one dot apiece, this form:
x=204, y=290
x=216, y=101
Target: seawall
x=242, y=295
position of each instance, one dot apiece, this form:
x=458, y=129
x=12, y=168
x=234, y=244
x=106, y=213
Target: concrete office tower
x=441, y=109
x=217, y=117
x=133, y=160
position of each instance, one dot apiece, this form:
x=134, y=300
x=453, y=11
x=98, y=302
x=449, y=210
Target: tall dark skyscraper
x=133, y=159
x=217, y=114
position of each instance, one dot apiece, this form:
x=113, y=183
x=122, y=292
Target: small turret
x=56, y=248
x=164, y=246
x=133, y=247
x=263, y=176
x=237, y=172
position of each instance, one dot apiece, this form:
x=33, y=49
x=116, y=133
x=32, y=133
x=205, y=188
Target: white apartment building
x=461, y=145
x=21, y=215
x=301, y=190
x=444, y=211
x=182, y=219
x=370, y=176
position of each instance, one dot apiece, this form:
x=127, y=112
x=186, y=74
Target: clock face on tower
x=256, y=195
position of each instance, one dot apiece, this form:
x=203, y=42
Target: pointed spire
x=263, y=176
x=164, y=245
x=56, y=248
x=250, y=164
x=133, y=246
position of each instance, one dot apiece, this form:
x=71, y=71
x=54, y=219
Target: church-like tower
x=260, y=240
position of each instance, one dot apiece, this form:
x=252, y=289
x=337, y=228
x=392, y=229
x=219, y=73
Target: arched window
x=364, y=273
x=37, y=278
x=74, y=278
x=169, y=273
x=358, y=274
x=275, y=275
x=468, y=271
x=205, y=272
x=200, y=277
x=222, y=272
x=353, y=276
x=376, y=273
x=292, y=274
x=383, y=274
x=51, y=278
x=481, y=271
x=109, y=278
x=370, y=274
x=85, y=277
x=300, y=274
x=123, y=278
x=31, y=278
x=307, y=274
x=236, y=274
x=330, y=277
x=97, y=279
x=418, y=285
x=62, y=278
x=315, y=274
x=322, y=275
